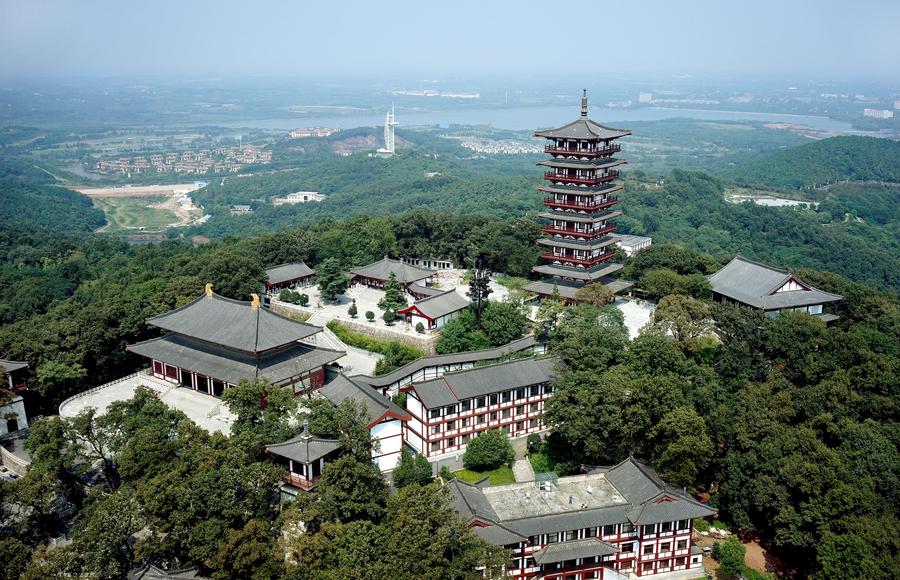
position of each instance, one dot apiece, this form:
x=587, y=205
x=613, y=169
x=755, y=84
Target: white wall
x=17, y=406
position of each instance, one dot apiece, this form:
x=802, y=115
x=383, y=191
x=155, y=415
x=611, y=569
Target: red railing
x=297, y=481
x=573, y=260
x=583, y=234
x=551, y=202
x=582, y=152
x=552, y=176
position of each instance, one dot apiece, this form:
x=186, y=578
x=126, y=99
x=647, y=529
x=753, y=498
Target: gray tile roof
x=581, y=190
x=288, y=272
x=233, y=324
x=339, y=387
x=304, y=448
x=584, y=274
x=277, y=366
x=601, y=163
x=381, y=270
x=583, y=128
x=625, y=493
x=11, y=366
x=586, y=548
x=755, y=284
x=576, y=245
x=498, y=535
x=588, y=218
x=629, y=240
x=439, y=305
x=480, y=381
x=424, y=290
x=447, y=359
x=568, y=288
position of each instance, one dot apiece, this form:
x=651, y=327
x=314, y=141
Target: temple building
x=214, y=342
x=303, y=458
x=435, y=311
x=448, y=411
x=772, y=290
x=385, y=419
x=580, y=186
x=15, y=374
x=623, y=519
x=413, y=279
x=296, y=274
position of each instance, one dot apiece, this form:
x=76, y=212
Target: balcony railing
x=553, y=149
x=562, y=178
x=573, y=260
x=297, y=481
x=552, y=202
x=579, y=233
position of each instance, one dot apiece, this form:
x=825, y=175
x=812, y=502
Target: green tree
x=389, y=316
x=731, y=557
x=261, y=409
x=420, y=328
x=351, y=488
x=394, y=297
x=502, y=322
x=682, y=446
x=56, y=379
x=684, y=318
x=412, y=469
x=479, y=290
x=597, y=295
x=232, y=274
x=15, y=556
x=352, y=310
x=370, y=316
x=488, y=450
x=245, y=553
x=331, y=278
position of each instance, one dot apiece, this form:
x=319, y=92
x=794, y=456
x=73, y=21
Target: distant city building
x=431, y=263
x=878, y=113
x=299, y=197
x=772, y=290
x=581, y=180
x=389, y=124
x=897, y=104
x=631, y=244
x=645, y=97
x=313, y=132
x=199, y=162
x=241, y=209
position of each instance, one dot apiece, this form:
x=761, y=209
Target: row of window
x=483, y=418
x=663, y=564
x=492, y=399
x=435, y=446
x=663, y=547
x=612, y=530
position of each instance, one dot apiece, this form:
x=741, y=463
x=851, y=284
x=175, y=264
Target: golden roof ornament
x=209, y=292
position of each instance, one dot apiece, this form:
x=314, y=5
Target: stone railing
x=15, y=463
x=145, y=376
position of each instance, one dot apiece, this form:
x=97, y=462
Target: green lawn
x=130, y=213
x=540, y=463
x=499, y=476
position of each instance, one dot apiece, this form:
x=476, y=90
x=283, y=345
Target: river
x=528, y=118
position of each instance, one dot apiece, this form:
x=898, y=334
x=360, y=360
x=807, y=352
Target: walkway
x=522, y=470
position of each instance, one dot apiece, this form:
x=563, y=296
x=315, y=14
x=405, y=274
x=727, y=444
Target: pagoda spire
x=584, y=103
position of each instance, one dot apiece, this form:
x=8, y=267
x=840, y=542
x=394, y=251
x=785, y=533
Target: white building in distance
x=631, y=244
x=878, y=113
x=299, y=197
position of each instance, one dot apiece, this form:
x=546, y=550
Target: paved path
x=522, y=470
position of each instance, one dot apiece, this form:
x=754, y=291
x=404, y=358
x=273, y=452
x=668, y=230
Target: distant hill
x=47, y=206
x=822, y=162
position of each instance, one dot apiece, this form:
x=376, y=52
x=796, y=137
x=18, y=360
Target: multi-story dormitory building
x=448, y=411
x=623, y=519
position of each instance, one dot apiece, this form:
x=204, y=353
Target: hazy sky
x=814, y=39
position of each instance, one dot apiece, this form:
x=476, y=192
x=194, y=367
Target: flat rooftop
x=527, y=500
x=206, y=411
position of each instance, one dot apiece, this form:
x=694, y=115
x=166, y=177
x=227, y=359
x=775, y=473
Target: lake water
x=527, y=118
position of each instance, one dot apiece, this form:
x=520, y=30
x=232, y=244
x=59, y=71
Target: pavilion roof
x=579, y=189
x=403, y=272
x=288, y=272
x=583, y=274
x=577, y=245
x=232, y=323
x=278, y=366
x=583, y=128
x=585, y=548
x=757, y=285
x=572, y=216
x=378, y=407
x=434, y=307
x=11, y=366
x=304, y=448
x=568, y=288
x=601, y=163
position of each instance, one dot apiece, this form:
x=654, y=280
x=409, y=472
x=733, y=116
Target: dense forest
x=823, y=162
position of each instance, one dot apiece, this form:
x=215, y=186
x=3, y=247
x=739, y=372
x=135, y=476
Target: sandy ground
x=137, y=190
x=637, y=314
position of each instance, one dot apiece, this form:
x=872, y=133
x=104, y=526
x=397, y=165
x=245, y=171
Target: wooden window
x=648, y=549
x=681, y=545
x=665, y=546
x=666, y=527
x=609, y=530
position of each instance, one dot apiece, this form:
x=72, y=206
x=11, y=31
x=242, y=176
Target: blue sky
x=788, y=38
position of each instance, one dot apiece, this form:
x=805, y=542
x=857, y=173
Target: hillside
x=822, y=162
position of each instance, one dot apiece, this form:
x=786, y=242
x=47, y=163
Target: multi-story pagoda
x=581, y=187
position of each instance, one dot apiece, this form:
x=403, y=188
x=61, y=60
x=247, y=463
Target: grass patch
x=396, y=353
x=511, y=282
x=500, y=476
x=541, y=463
x=130, y=213
x=299, y=316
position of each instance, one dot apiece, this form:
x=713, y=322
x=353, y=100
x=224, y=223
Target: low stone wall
x=15, y=463
x=375, y=332
x=280, y=308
